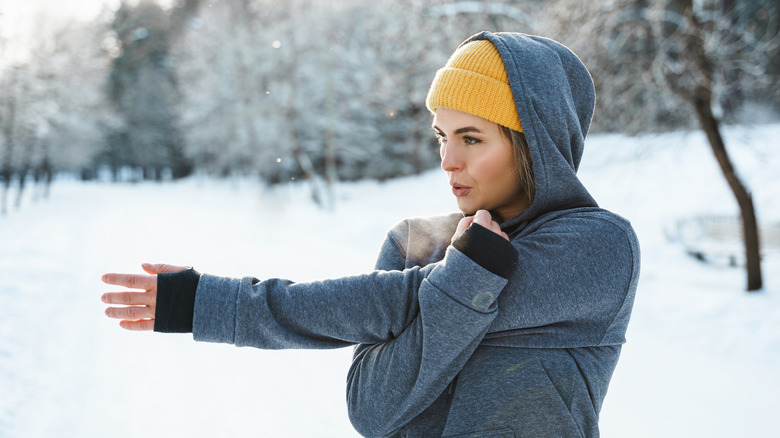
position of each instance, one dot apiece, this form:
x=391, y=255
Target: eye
x=441, y=138
x=471, y=140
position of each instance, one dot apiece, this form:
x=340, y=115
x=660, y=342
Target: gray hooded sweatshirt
x=449, y=344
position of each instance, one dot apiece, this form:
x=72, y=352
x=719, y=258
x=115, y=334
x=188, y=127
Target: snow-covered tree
x=143, y=89
x=619, y=40
x=317, y=89
x=52, y=117
x=688, y=69
x=661, y=64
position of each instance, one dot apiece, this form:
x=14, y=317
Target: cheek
x=497, y=170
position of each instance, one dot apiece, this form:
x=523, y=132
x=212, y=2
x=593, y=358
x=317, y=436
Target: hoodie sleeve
x=391, y=383
x=281, y=314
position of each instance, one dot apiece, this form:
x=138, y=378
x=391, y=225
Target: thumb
x=160, y=268
x=462, y=225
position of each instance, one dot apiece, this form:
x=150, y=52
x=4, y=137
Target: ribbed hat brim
x=473, y=93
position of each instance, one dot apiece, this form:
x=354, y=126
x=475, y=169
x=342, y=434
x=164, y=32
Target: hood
x=555, y=97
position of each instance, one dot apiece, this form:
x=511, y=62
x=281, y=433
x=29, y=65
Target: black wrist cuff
x=488, y=249
x=176, y=301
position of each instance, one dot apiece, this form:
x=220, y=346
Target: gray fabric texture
x=445, y=347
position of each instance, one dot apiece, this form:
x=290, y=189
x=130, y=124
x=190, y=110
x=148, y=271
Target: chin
x=467, y=209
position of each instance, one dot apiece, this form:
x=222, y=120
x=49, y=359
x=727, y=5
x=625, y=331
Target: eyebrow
x=460, y=130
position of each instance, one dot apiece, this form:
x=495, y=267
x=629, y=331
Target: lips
x=459, y=189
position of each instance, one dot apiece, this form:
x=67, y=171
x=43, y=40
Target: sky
x=79, y=9
x=20, y=20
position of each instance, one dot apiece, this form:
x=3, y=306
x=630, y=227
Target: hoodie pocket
x=497, y=433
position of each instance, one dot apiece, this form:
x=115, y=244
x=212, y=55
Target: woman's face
x=480, y=164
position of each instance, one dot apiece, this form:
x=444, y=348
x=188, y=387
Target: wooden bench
x=718, y=239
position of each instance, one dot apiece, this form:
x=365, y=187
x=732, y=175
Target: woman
x=504, y=320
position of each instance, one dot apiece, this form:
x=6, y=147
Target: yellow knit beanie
x=474, y=81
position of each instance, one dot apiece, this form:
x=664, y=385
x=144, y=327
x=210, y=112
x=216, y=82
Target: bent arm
x=391, y=383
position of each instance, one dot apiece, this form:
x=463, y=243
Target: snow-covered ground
x=702, y=356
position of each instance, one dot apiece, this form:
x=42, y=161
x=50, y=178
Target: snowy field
x=702, y=356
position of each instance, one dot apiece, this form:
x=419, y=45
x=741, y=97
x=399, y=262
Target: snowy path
x=701, y=360
x=66, y=370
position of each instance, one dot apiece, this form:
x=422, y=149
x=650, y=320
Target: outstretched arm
x=425, y=323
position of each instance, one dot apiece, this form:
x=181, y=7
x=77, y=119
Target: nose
x=450, y=161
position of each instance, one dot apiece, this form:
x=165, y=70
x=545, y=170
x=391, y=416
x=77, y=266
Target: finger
x=161, y=268
x=463, y=224
x=129, y=298
x=482, y=217
x=461, y=228
x=138, y=325
x=496, y=228
x=132, y=281
x=132, y=313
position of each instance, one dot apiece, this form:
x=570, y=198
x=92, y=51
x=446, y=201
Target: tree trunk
x=24, y=170
x=6, y=166
x=700, y=96
x=49, y=177
x=4, y=196
x=22, y=185
x=709, y=124
x=291, y=114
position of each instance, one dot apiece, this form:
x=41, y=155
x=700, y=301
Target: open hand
x=481, y=217
x=139, y=305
